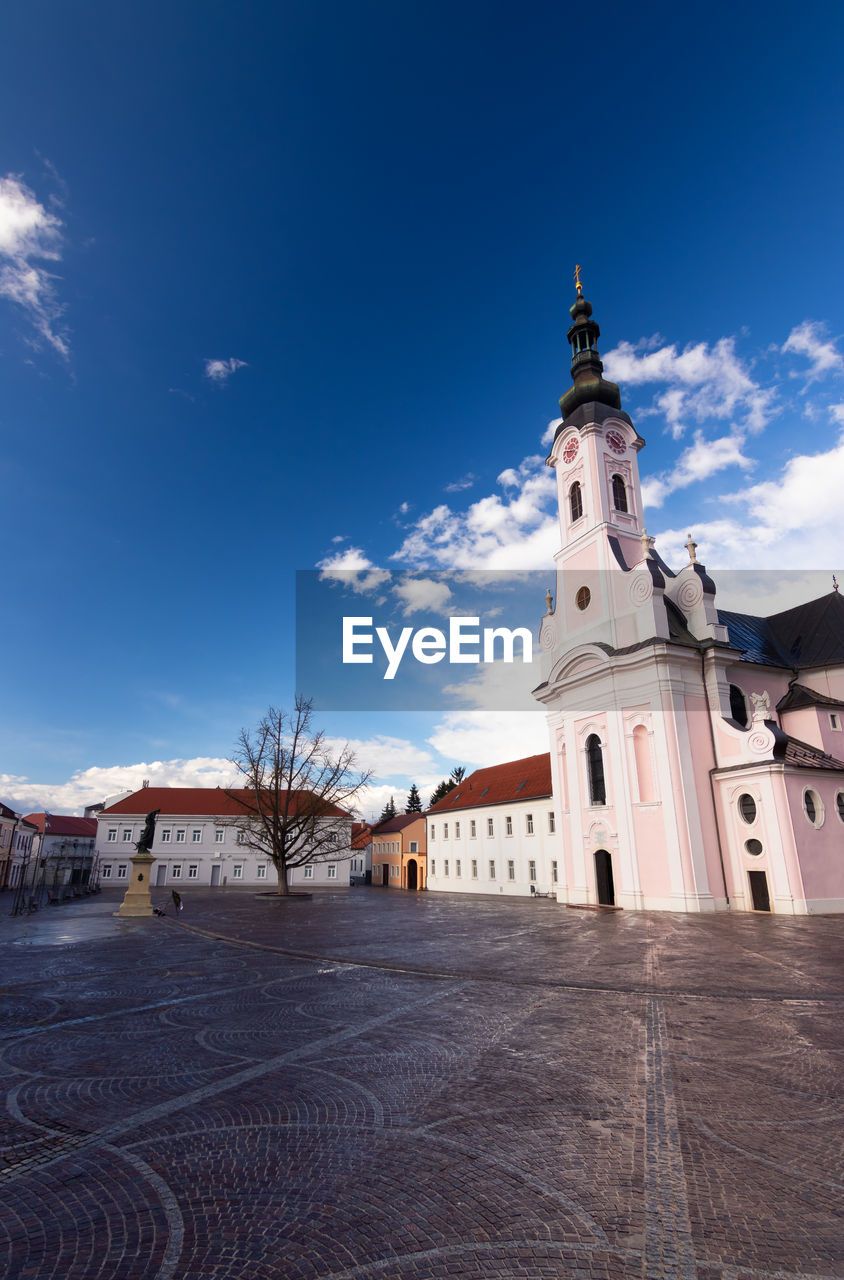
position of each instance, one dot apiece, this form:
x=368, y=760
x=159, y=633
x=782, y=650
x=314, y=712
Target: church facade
x=697, y=755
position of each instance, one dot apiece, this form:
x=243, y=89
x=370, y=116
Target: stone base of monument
x=136, y=901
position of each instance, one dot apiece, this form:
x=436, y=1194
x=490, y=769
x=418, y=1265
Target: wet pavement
x=368, y=1083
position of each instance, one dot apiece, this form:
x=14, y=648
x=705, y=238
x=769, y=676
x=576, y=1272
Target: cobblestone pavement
x=370, y=1085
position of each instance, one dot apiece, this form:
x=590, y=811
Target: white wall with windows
x=205, y=850
x=510, y=848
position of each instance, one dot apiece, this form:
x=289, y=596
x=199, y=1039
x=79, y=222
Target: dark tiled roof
x=809, y=635
x=60, y=825
x=207, y=802
x=527, y=779
x=398, y=823
x=800, y=695
x=809, y=757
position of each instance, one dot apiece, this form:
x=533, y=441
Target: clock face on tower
x=616, y=441
x=570, y=451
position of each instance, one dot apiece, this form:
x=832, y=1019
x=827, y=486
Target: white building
x=199, y=840
x=62, y=851
x=497, y=832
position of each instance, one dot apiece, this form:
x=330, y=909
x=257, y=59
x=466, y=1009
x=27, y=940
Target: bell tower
x=595, y=456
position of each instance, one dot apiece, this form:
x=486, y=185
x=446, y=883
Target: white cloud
x=703, y=383
x=220, y=371
x=390, y=758
x=339, y=537
x=791, y=522
x=92, y=786
x=837, y=411
x=550, y=431
x=418, y=594
x=354, y=568
x=479, y=738
x=29, y=235
x=518, y=531
x=809, y=339
x=457, y=486
x=704, y=458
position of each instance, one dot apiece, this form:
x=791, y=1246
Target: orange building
x=399, y=852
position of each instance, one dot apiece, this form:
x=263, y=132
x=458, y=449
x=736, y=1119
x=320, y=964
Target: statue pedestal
x=137, y=901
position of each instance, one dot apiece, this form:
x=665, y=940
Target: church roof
x=809, y=635
x=809, y=757
x=528, y=779
x=800, y=695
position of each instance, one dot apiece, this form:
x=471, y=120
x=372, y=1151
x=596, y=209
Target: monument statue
x=144, y=845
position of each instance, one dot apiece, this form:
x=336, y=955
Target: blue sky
x=286, y=285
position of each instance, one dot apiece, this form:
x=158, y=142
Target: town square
x=424, y=1086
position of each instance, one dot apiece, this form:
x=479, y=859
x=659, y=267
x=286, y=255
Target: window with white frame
x=473, y=829
x=433, y=867
x=552, y=825
x=112, y=835
x=492, y=870
x=553, y=873
x=219, y=835
x=122, y=870
x=445, y=867
x=309, y=873
x=414, y=846
x=508, y=826
x=262, y=871
x=332, y=871
x=394, y=871
x=490, y=827
x=529, y=823
x=532, y=871
x=193, y=870
x=241, y=837
x=176, y=871
x=474, y=868
x=105, y=871
x=511, y=869
x=835, y=721
x=433, y=831
x=458, y=870
x=457, y=830
x=445, y=831
x=180, y=835
x=196, y=835
x=165, y=836
x=127, y=835
x=237, y=871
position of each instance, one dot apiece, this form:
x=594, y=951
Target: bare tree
x=298, y=792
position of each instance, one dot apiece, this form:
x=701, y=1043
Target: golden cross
x=578, y=285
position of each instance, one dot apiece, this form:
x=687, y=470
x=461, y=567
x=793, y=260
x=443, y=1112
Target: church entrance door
x=411, y=874
x=759, y=891
x=603, y=878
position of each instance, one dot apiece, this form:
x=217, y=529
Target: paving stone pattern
x=371, y=1084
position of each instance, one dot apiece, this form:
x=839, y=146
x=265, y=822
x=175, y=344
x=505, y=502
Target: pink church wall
x=820, y=850
x=803, y=724
x=700, y=733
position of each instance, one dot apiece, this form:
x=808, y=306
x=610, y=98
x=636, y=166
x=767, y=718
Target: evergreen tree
x=458, y=773
x=389, y=810
x=414, y=800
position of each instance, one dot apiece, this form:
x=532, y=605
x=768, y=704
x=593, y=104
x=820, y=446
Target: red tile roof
x=361, y=835
x=211, y=802
x=528, y=779
x=58, y=824
x=398, y=823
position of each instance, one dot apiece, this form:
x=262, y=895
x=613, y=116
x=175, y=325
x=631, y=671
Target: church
x=697, y=755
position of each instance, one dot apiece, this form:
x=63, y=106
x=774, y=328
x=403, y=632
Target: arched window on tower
x=595, y=764
x=619, y=493
x=575, y=501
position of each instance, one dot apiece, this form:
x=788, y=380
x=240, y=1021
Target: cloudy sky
x=285, y=286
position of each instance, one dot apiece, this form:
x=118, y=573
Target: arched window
x=738, y=706
x=619, y=493
x=644, y=771
x=575, y=501
x=595, y=763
